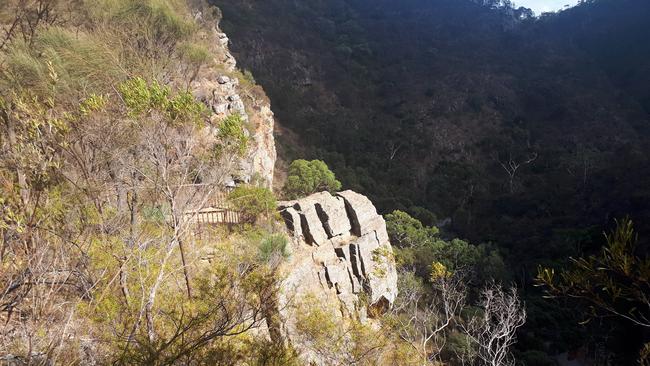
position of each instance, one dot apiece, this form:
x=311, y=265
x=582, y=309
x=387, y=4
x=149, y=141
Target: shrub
x=141, y=97
x=233, y=134
x=253, y=202
x=307, y=177
x=419, y=246
x=273, y=246
x=406, y=231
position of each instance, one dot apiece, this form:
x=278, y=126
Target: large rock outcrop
x=341, y=257
x=220, y=88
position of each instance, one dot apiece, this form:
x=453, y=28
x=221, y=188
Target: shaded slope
x=430, y=104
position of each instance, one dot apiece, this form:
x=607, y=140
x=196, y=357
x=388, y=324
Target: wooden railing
x=215, y=210
x=214, y=215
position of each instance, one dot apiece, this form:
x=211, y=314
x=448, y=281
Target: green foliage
x=233, y=135
x=406, y=231
x=93, y=103
x=273, y=246
x=460, y=347
x=615, y=280
x=213, y=323
x=141, y=98
x=338, y=340
x=272, y=354
x=418, y=246
x=425, y=216
x=153, y=214
x=253, y=202
x=307, y=177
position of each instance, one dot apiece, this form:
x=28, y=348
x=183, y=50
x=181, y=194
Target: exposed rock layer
x=340, y=251
x=219, y=87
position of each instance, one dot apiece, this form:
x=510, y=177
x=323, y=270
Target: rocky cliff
x=340, y=254
x=341, y=259
x=226, y=91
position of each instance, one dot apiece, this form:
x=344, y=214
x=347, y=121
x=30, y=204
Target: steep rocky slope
x=341, y=258
x=517, y=130
x=221, y=89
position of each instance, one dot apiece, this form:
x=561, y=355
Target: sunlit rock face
x=219, y=88
x=341, y=257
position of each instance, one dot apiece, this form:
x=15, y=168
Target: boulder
x=340, y=250
x=312, y=227
x=323, y=217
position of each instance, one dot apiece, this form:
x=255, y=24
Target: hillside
x=518, y=130
x=462, y=159
x=527, y=133
x=123, y=125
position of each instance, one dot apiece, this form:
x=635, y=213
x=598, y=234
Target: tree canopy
x=307, y=177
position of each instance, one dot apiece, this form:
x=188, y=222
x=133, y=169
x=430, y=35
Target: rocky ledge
x=341, y=257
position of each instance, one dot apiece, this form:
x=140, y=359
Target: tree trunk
x=181, y=247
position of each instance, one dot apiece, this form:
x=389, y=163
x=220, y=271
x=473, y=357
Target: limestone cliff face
x=225, y=91
x=341, y=256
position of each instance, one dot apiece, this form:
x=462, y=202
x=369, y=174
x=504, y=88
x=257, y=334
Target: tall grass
x=60, y=62
x=114, y=40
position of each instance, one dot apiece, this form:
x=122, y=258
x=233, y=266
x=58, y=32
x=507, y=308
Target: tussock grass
x=60, y=63
x=113, y=41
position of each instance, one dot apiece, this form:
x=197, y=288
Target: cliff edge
x=342, y=260
x=226, y=91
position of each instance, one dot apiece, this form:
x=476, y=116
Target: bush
x=141, y=97
x=307, y=177
x=253, y=202
x=417, y=246
x=407, y=231
x=233, y=134
x=273, y=246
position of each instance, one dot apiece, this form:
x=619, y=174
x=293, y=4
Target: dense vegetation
x=530, y=134
x=468, y=115
x=100, y=138
x=307, y=177
x=106, y=161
